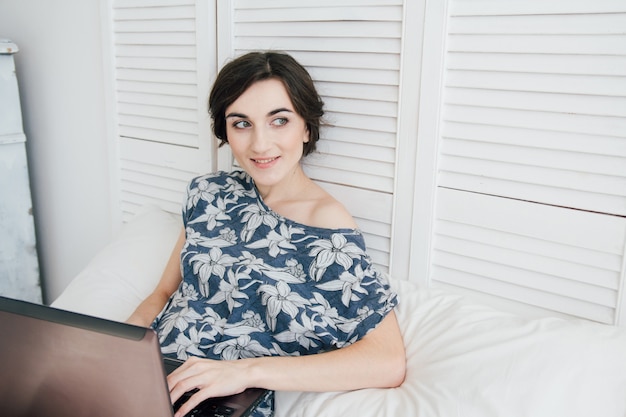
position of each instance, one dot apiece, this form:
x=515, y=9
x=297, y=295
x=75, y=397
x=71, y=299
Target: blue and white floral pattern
x=257, y=284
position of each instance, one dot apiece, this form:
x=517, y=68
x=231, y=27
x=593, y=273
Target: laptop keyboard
x=212, y=410
x=207, y=408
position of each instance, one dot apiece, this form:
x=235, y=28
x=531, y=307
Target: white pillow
x=468, y=360
x=126, y=271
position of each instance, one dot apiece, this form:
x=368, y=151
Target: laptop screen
x=56, y=363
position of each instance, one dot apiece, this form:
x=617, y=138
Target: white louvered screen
x=161, y=86
x=534, y=110
x=535, y=102
x=352, y=48
x=565, y=260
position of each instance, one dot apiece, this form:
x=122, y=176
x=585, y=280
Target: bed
x=464, y=358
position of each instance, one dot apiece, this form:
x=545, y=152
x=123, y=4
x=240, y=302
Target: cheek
x=234, y=141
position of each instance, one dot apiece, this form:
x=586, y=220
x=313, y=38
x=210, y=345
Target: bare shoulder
x=329, y=213
x=314, y=207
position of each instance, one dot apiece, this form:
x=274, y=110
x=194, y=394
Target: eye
x=280, y=121
x=241, y=124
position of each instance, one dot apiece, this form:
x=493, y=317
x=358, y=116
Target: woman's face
x=266, y=134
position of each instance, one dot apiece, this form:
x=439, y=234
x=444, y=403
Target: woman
x=270, y=269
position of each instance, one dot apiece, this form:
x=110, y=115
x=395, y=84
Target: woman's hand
x=211, y=378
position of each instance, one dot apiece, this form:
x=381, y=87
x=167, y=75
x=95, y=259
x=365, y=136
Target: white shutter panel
x=161, y=83
x=534, y=109
x=352, y=48
x=535, y=103
x=565, y=260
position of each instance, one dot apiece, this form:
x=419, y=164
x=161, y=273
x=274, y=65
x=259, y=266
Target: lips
x=264, y=161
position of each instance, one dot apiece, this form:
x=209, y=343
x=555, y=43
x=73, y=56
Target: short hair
x=239, y=74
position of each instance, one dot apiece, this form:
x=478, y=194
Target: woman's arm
x=376, y=361
x=170, y=280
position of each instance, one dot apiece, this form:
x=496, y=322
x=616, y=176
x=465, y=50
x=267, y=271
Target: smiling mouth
x=264, y=161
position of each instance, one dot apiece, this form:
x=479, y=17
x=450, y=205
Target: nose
x=260, y=140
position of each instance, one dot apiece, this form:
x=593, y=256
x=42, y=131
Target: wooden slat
x=145, y=12
x=605, y=262
x=560, y=122
x=157, y=192
x=352, y=164
x=175, y=114
x=161, y=26
x=588, y=104
x=363, y=107
x=522, y=294
x=531, y=44
x=557, y=160
x=152, y=76
x=182, y=90
x=177, y=178
x=158, y=124
x=548, y=177
x=593, y=231
x=311, y=29
x=281, y=4
x=387, y=93
x=365, y=204
x=564, y=260
x=158, y=51
x=362, y=122
x=158, y=100
x=131, y=201
x=319, y=14
x=381, y=229
x=598, y=65
x=149, y=134
x=537, y=267
x=555, y=24
x=512, y=273
x=157, y=64
x=561, y=197
x=554, y=83
x=366, y=181
x=532, y=8
x=320, y=44
x=363, y=152
x=126, y=4
x=542, y=139
x=354, y=60
x=164, y=155
x=150, y=38
x=356, y=76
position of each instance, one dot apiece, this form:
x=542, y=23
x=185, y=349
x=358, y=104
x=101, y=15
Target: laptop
x=58, y=363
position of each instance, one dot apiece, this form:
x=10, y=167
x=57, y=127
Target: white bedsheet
x=469, y=360
x=464, y=359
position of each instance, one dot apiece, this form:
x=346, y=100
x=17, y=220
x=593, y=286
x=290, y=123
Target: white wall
x=60, y=75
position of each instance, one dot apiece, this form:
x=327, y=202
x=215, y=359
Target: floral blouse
x=258, y=284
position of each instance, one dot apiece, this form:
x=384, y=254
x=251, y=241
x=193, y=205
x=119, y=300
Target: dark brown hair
x=239, y=74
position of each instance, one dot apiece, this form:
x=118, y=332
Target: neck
x=292, y=187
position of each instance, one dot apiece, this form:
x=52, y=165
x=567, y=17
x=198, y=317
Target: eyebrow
x=239, y=115
x=282, y=109
x=271, y=113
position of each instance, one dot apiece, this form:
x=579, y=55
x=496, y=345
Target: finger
x=183, y=386
x=179, y=380
x=192, y=402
